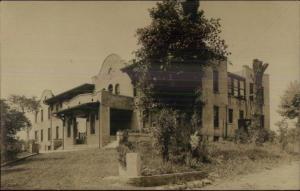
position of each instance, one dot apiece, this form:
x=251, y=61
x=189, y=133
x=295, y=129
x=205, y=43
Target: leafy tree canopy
x=290, y=101
x=26, y=104
x=180, y=33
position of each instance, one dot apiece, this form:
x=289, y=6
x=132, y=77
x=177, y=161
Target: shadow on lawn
x=34, y=159
x=11, y=170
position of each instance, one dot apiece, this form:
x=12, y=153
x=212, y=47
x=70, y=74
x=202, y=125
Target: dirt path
x=286, y=176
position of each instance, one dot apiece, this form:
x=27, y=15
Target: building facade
x=91, y=114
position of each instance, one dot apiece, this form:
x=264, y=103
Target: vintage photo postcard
x=159, y=95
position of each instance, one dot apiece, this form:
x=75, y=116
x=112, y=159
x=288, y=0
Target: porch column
x=104, y=125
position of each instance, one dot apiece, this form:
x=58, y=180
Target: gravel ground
x=283, y=177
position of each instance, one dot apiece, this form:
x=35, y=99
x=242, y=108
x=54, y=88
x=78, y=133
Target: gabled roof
x=84, y=88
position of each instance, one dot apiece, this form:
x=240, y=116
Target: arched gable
x=110, y=74
x=46, y=94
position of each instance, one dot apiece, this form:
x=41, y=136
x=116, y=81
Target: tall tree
x=11, y=122
x=290, y=102
x=25, y=104
x=179, y=34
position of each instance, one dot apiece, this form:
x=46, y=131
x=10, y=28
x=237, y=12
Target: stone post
x=133, y=165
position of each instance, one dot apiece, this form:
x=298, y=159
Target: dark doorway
x=119, y=120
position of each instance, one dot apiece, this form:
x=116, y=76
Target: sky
x=60, y=45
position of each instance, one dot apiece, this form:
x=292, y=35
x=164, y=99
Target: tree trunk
x=258, y=71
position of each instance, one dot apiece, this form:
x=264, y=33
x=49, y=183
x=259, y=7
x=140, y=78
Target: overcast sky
x=59, y=45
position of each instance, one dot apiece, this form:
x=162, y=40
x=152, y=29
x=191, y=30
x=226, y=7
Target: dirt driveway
x=285, y=176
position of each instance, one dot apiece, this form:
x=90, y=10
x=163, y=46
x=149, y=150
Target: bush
x=241, y=136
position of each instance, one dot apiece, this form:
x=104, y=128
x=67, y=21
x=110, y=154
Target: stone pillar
x=133, y=164
x=104, y=125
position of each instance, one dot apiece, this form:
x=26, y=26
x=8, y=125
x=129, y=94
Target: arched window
x=110, y=88
x=117, y=89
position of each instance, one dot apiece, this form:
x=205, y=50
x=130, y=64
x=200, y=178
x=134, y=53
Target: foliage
x=11, y=122
x=176, y=139
x=241, y=136
x=177, y=34
x=25, y=104
x=290, y=102
x=287, y=135
x=124, y=147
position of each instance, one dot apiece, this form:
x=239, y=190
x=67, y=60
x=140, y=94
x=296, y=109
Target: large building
x=91, y=114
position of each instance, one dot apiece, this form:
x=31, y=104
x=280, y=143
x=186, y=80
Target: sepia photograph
x=150, y=95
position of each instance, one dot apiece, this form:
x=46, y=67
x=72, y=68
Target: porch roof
x=84, y=88
x=80, y=109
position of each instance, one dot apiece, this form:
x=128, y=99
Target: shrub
x=124, y=147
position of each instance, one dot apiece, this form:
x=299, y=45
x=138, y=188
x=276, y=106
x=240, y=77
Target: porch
x=94, y=121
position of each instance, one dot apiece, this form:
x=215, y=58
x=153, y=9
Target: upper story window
x=230, y=86
x=236, y=86
x=230, y=115
x=109, y=70
x=42, y=135
x=134, y=91
x=241, y=114
x=57, y=132
x=216, y=117
x=36, y=135
x=35, y=116
x=242, y=88
x=42, y=115
x=251, y=92
x=216, y=81
x=110, y=88
x=117, y=89
x=49, y=134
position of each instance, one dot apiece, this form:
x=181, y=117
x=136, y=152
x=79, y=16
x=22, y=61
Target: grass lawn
x=64, y=170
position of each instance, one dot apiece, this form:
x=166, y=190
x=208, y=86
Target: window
x=49, y=134
x=56, y=107
x=235, y=87
x=216, y=138
x=49, y=112
x=216, y=81
x=35, y=116
x=242, y=89
x=42, y=115
x=69, y=128
x=36, y=135
x=230, y=86
x=241, y=114
x=42, y=135
x=92, y=124
x=251, y=91
x=57, y=132
x=110, y=88
x=109, y=70
x=251, y=88
x=117, y=89
x=216, y=117
x=134, y=91
x=230, y=115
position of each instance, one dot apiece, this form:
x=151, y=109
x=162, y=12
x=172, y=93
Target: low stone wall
x=134, y=137
x=158, y=180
